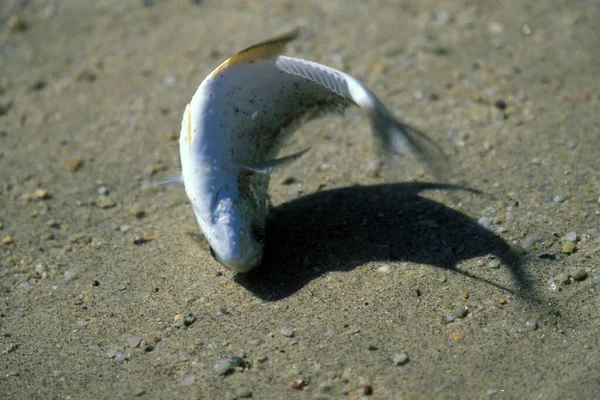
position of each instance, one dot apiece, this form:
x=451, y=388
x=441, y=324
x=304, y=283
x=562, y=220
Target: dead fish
x=233, y=128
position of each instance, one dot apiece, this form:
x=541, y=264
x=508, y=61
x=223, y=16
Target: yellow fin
x=260, y=51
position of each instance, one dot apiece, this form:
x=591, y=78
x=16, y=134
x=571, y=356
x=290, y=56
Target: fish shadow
x=341, y=229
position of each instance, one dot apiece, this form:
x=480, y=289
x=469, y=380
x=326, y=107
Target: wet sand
x=381, y=287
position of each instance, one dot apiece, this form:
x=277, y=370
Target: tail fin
x=394, y=137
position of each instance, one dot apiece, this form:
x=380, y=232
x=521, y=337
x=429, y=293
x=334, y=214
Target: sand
x=382, y=287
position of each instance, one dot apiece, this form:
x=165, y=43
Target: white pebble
x=189, y=380
x=571, y=237
x=400, y=358
x=485, y=222
x=287, y=331
x=384, y=268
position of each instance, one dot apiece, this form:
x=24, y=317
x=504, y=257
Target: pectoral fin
x=268, y=166
x=174, y=179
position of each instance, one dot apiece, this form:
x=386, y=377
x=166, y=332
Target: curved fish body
x=232, y=129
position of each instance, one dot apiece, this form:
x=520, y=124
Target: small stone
x=367, y=390
x=559, y=198
x=5, y=105
x=243, y=393
x=42, y=194
x=189, y=320
x=222, y=367
x=579, y=274
x=459, y=311
x=73, y=164
x=47, y=236
x=189, y=380
x=105, y=202
x=70, y=275
x=255, y=342
x=138, y=392
x=7, y=239
x=562, y=279
x=40, y=269
x=384, y=268
x=287, y=331
x=139, y=214
x=494, y=263
x=178, y=317
x=485, y=222
x=568, y=247
x=502, y=300
x=571, y=237
x=134, y=341
x=16, y=24
x=10, y=348
x=531, y=325
x=102, y=191
x=400, y=358
x=596, y=278
x=120, y=356
x=457, y=336
x=530, y=242
x=122, y=286
x=237, y=361
x=298, y=384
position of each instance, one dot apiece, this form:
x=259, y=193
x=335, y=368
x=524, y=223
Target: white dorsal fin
x=268, y=166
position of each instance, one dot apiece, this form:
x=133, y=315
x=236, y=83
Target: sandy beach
x=395, y=286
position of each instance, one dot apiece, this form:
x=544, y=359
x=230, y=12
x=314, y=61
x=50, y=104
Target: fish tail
x=393, y=137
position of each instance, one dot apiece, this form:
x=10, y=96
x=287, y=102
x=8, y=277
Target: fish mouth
x=246, y=260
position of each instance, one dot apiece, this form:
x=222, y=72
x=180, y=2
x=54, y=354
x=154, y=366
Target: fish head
x=235, y=230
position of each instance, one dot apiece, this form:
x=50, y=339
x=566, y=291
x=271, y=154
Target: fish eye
x=258, y=234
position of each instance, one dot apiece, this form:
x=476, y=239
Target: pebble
x=121, y=287
x=502, y=300
x=138, y=392
x=494, y=263
x=70, y=275
x=255, y=342
x=579, y=274
x=400, y=358
x=559, y=198
x=40, y=269
x=568, y=247
x=102, y=191
x=189, y=380
x=134, y=341
x=105, y=202
x=42, y=194
x=243, y=393
x=120, y=356
x=596, y=278
x=562, y=279
x=10, y=348
x=222, y=367
x=485, y=222
x=189, y=320
x=16, y=24
x=7, y=239
x=531, y=325
x=571, y=237
x=287, y=331
x=384, y=268
x=72, y=164
x=530, y=242
x=459, y=311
